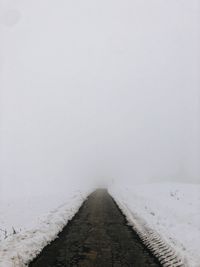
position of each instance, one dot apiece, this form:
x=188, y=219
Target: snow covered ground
x=36, y=221
x=172, y=210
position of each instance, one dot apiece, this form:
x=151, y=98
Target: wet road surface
x=98, y=236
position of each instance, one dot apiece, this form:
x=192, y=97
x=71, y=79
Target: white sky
x=93, y=89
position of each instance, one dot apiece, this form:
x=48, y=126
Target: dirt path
x=98, y=236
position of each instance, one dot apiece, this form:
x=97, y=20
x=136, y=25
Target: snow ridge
x=20, y=249
x=165, y=253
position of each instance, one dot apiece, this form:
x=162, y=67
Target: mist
x=98, y=90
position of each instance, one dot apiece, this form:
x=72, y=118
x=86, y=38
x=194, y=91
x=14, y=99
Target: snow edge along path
x=20, y=249
x=164, y=252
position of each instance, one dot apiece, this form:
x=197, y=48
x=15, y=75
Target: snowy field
x=173, y=210
x=30, y=223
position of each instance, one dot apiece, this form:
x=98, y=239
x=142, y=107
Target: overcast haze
x=95, y=89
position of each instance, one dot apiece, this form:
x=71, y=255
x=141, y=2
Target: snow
x=37, y=221
x=171, y=209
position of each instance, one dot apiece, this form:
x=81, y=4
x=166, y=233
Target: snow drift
x=171, y=210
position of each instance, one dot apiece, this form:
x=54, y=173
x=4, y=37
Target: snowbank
x=172, y=210
x=38, y=220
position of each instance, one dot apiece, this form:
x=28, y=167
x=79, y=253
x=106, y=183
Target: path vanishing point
x=97, y=236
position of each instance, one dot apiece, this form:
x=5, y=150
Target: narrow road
x=98, y=236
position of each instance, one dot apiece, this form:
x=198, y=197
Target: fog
x=98, y=90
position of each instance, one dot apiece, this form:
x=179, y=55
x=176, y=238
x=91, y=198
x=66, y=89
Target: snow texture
x=171, y=210
x=18, y=249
